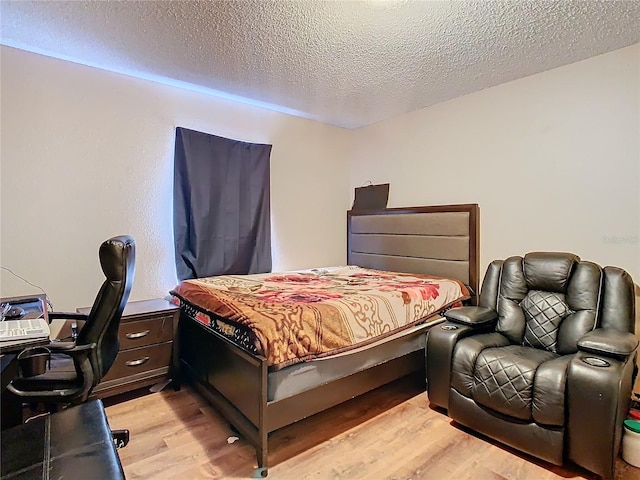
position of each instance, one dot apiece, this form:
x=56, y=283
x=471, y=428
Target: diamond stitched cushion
x=504, y=379
x=502, y=384
x=543, y=311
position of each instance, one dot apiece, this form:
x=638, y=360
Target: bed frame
x=438, y=240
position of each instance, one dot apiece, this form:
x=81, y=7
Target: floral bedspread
x=297, y=316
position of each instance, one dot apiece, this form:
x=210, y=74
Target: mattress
x=303, y=376
x=298, y=316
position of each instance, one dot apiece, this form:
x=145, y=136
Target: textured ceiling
x=347, y=63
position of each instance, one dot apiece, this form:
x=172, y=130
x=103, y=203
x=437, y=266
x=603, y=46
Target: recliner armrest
x=472, y=316
x=608, y=342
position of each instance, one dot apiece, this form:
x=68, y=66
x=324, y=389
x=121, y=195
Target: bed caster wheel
x=261, y=472
x=120, y=438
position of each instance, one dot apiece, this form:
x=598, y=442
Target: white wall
x=553, y=160
x=87, y=154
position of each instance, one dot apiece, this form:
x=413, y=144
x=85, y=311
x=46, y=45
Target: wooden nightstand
x=148, y=352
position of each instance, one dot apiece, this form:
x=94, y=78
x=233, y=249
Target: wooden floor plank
x=388, y=434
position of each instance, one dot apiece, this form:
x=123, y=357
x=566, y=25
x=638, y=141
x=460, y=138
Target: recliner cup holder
x=33, y=361
x=449, y=327
x=595, y=362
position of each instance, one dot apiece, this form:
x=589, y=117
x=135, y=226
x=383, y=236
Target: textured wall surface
x=348, y=63
x=553, y=160
x=88, y=154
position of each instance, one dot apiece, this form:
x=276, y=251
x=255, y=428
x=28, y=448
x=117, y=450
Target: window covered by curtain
x=221, y=206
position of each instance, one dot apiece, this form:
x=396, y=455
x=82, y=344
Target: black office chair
x=77, y=366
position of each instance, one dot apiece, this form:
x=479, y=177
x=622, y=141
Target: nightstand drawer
x=130, y=362
x=147, y=353
x=139, y=333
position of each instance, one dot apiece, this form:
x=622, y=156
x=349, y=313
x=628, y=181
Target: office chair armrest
x=69, y=348
x=67, y=316
x=66, y=325
x=80, y=354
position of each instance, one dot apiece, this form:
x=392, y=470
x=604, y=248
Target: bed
x=259, y=391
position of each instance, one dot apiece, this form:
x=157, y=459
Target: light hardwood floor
x=390, y=433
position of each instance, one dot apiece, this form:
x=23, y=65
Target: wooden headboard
x=438, y=240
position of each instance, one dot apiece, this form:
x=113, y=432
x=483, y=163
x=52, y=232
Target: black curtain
x=221, y=208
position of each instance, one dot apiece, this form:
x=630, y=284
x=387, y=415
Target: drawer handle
x=135, y=363
x=131, y=336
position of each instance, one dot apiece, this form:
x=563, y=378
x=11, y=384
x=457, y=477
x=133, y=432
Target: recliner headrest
x=548, y=271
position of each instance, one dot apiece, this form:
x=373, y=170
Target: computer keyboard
x=24, y=329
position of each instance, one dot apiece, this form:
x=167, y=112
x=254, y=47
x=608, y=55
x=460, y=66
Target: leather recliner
x=545, y=362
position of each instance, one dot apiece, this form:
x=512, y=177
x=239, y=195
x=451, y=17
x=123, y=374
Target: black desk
x=8, y=367
x=10, y=405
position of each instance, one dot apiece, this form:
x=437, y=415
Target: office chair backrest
x=117, y=258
